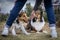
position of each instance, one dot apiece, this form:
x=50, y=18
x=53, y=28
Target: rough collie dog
x=20, y=23
x=37, y=22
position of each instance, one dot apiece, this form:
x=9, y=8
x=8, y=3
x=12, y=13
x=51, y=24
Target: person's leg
x=51, y=17
x=13, y=14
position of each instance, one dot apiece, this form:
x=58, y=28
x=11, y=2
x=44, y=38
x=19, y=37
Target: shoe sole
x=4, y=35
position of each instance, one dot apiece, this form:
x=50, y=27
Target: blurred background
x=7, y=5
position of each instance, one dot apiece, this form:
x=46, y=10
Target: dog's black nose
x=34, y=19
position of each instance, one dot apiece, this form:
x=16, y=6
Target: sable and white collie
x=38, y=22
x=20, y=23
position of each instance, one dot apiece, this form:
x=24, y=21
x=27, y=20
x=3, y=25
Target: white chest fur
x=38, y=25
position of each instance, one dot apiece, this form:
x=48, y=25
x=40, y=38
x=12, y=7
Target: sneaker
x=5, y=31
x=54, y=34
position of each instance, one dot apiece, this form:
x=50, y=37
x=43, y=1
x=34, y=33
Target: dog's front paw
x=27, y=33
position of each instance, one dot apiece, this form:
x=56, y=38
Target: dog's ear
x=41, y=17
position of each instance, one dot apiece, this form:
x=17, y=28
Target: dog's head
x=37, y=16
x=23, y=17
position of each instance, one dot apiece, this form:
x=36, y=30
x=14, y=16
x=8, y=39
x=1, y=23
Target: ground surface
x=33, y=36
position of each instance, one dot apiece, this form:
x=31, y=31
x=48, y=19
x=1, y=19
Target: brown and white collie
x=20, y=23
x=38, y=22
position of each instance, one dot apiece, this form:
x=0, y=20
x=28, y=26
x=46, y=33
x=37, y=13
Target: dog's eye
x=23, y=15
x=17, y=21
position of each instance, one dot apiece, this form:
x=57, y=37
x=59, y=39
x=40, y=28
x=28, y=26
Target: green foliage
x=28, y=9
x=3, y=17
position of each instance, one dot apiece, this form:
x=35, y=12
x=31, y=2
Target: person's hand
x=32, y=15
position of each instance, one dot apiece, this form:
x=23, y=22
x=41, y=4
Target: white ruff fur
x=38, y=25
